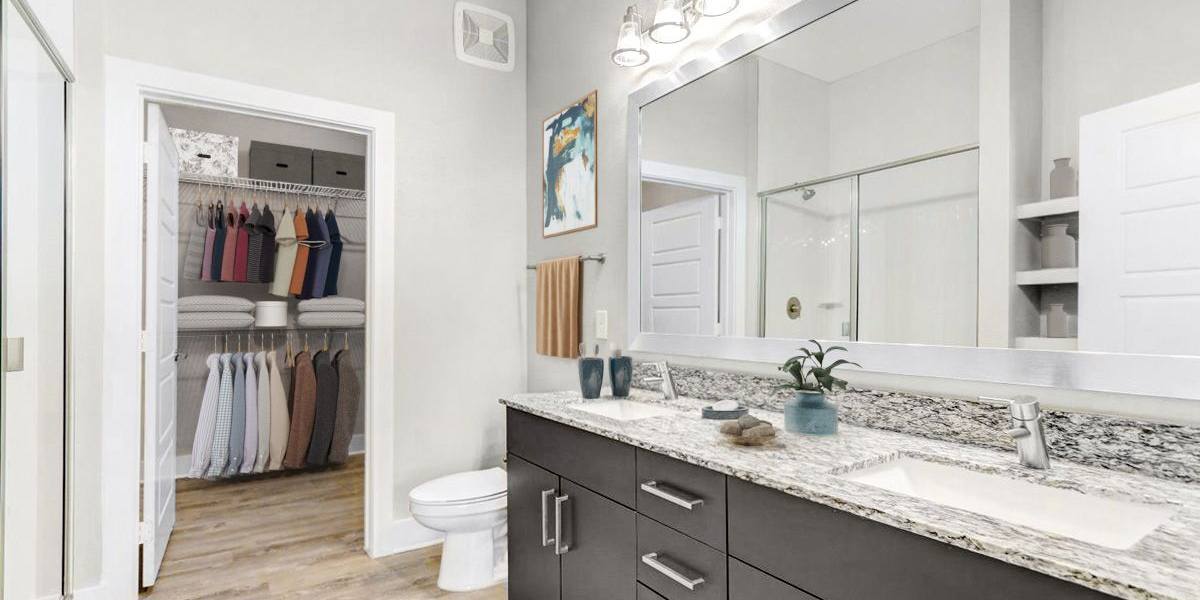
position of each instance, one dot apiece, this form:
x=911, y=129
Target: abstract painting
x=569, y=169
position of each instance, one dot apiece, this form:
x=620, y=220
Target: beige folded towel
x=559, y=304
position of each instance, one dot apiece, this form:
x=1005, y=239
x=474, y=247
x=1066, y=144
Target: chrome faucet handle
x=1025, y=426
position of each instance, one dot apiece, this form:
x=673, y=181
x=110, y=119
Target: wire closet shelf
x=273, y=187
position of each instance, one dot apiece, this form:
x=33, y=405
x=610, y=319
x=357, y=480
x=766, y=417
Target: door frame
x=732, y=261
x=129, y=86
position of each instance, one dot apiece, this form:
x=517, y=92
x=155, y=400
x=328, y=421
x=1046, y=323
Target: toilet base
x=469, y=562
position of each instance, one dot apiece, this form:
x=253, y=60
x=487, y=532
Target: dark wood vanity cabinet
x=636, y=525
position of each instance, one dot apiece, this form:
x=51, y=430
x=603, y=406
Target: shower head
x=807, y=193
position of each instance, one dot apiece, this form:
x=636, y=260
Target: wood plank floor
x=288, y=536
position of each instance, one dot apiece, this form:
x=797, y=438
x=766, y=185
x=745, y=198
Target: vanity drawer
x=748, y=583
x=688, y=498
x=605, y=466
x=678, y=558
x=645, y=593
x=839, y=556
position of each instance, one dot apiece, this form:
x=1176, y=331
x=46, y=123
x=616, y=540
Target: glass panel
x=918, y=252
x=807, y=262
x=34, y=286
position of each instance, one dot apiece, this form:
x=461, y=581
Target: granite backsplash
x=1159, y=450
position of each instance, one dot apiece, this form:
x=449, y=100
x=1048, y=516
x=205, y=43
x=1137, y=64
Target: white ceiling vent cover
x=484, y=37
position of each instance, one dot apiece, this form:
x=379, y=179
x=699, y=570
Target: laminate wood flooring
x=288, y=536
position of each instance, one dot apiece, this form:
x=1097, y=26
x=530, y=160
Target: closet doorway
x=184, y=315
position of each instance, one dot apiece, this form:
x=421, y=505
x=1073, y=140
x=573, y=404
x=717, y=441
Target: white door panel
x=679, y=263
x=162, y=294
x=1139, y=213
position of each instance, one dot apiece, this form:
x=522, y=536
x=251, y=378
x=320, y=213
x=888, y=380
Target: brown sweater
x=304, y=406
x=347, y=408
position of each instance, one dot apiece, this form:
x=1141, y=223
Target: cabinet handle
x=560, y=547
x=546, y=539
x=653, y=562
x=673, y=496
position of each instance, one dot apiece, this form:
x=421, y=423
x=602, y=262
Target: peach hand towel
x=559, y=304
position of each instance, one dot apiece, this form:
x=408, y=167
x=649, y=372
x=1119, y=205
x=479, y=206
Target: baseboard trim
x=95, y=592
x=404, y=535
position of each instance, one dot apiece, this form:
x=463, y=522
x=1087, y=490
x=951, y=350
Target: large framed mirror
x=996, y=191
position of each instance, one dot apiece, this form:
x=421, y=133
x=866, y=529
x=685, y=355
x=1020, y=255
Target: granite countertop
x=1164, y=565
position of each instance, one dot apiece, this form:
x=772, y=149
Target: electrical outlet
x=602, y=324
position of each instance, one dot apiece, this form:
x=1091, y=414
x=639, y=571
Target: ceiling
x=870, y=32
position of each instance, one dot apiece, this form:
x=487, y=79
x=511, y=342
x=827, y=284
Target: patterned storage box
x=203, y=153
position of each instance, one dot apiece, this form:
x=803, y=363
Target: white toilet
x=471, y=509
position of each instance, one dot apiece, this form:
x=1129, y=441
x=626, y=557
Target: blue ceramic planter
x=810, y=413
x=591, y=376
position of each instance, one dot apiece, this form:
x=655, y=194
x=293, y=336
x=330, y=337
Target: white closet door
x=161, y=306
x=679, y=266
x=1139, y=288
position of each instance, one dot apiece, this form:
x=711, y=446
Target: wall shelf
x=1048, y=276
x=1047, y=343
x=1048, y=208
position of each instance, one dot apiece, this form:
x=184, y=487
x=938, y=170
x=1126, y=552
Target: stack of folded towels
x=331, y=311
x=215, y=312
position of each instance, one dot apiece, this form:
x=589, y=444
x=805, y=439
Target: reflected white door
x=1139, y=222
x=161, y=343
x=34, y=311
x=679, y=266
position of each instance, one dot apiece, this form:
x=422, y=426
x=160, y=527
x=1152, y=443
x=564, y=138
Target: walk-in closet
x=258, y=362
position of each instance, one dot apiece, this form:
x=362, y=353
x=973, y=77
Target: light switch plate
x=14, y=354
x=602, y=324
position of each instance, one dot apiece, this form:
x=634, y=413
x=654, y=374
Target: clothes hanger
x=346, y=340
x=325, y=348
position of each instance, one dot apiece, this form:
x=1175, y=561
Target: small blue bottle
x=620, y=373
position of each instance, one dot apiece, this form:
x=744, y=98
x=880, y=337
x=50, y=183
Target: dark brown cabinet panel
x=683, y=556
x=597, y=463
x=748, y=583
x=533, y=572
x=666, y=488
x=839, y=556
x=645, y=593
x=601, y=540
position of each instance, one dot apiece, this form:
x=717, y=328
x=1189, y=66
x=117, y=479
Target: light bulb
x=629, y=52
x=715, y=8
x=670, y=24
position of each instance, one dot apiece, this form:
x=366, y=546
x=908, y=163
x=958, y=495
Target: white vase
x=1057, y=322
x=1058, y=248
x=1062, y=179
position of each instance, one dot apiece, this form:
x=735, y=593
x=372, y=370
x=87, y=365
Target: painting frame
x=589, y=155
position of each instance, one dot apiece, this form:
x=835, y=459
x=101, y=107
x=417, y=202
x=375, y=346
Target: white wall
x=793, y=126
x=460, y=152
x=58, y=19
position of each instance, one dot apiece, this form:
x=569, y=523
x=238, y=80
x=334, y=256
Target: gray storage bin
x=334, y=169
x=276, y=162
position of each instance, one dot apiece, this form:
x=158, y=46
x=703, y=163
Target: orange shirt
x=301, y=254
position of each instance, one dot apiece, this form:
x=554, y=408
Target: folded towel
x=559, y=304
x=215, y=304
x=332, y=304
x=331, y=319
x=215, y=320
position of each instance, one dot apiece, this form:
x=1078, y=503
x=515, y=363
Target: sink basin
x=1102, y=521
x=623, y=410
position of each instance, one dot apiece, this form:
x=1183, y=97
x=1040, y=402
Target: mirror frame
x=1161, y=376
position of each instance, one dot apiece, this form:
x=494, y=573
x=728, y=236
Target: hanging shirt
x=304, y=406
x=297, y=281
x=266, y=227
x=254, y=248
x=237, y=420
x=229, y=254
x=210, y=236
x=220, y=444
x=243, y=245
x=318, y=257
x=194, y=255
x=202, y=444
x=250, y=441
x=285, y=254
x=335, y=253
x=264, y=412
x=348, y=396
x=281, y=423
x=218, y=242
x=326, y=412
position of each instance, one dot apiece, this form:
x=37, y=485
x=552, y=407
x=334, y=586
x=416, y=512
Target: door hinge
x=145, y=533
x=142, y=336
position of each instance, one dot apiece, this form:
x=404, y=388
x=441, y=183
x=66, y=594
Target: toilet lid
x=461, y=487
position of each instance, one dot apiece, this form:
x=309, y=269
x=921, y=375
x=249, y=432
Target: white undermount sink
x=623, y=410
x=1102, y=521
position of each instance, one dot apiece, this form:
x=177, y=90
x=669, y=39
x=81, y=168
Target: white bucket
x=270, y=313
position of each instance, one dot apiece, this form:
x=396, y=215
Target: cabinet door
x=532, y=567
x=601, y=538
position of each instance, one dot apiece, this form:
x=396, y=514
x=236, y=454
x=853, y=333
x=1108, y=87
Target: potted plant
x=809, y=411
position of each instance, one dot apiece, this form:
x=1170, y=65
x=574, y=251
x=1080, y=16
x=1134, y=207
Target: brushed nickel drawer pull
x=652, y=561
x=560, y=547
x=671, y=495
x=546, y=539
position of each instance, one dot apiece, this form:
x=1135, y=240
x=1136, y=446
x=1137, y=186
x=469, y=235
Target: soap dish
x=723, y=415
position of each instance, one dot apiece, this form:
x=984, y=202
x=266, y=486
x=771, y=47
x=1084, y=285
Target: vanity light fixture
x=629, y=52
x=672, y=24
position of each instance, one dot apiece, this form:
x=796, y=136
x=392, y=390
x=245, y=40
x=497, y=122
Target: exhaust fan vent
x=484, y=37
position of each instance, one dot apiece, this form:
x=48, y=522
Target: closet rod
x=600, y=258
x=208, y=333
x=276, y=187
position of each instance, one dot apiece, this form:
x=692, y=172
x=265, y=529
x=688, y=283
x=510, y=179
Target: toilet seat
x=467, y=488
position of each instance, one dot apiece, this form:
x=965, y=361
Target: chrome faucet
x=663, y=380
x=1025, y=420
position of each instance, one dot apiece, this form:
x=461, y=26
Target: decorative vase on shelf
x=1058, y=247
x=1062, y=179
x=810, y=413
x=1057, y=322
